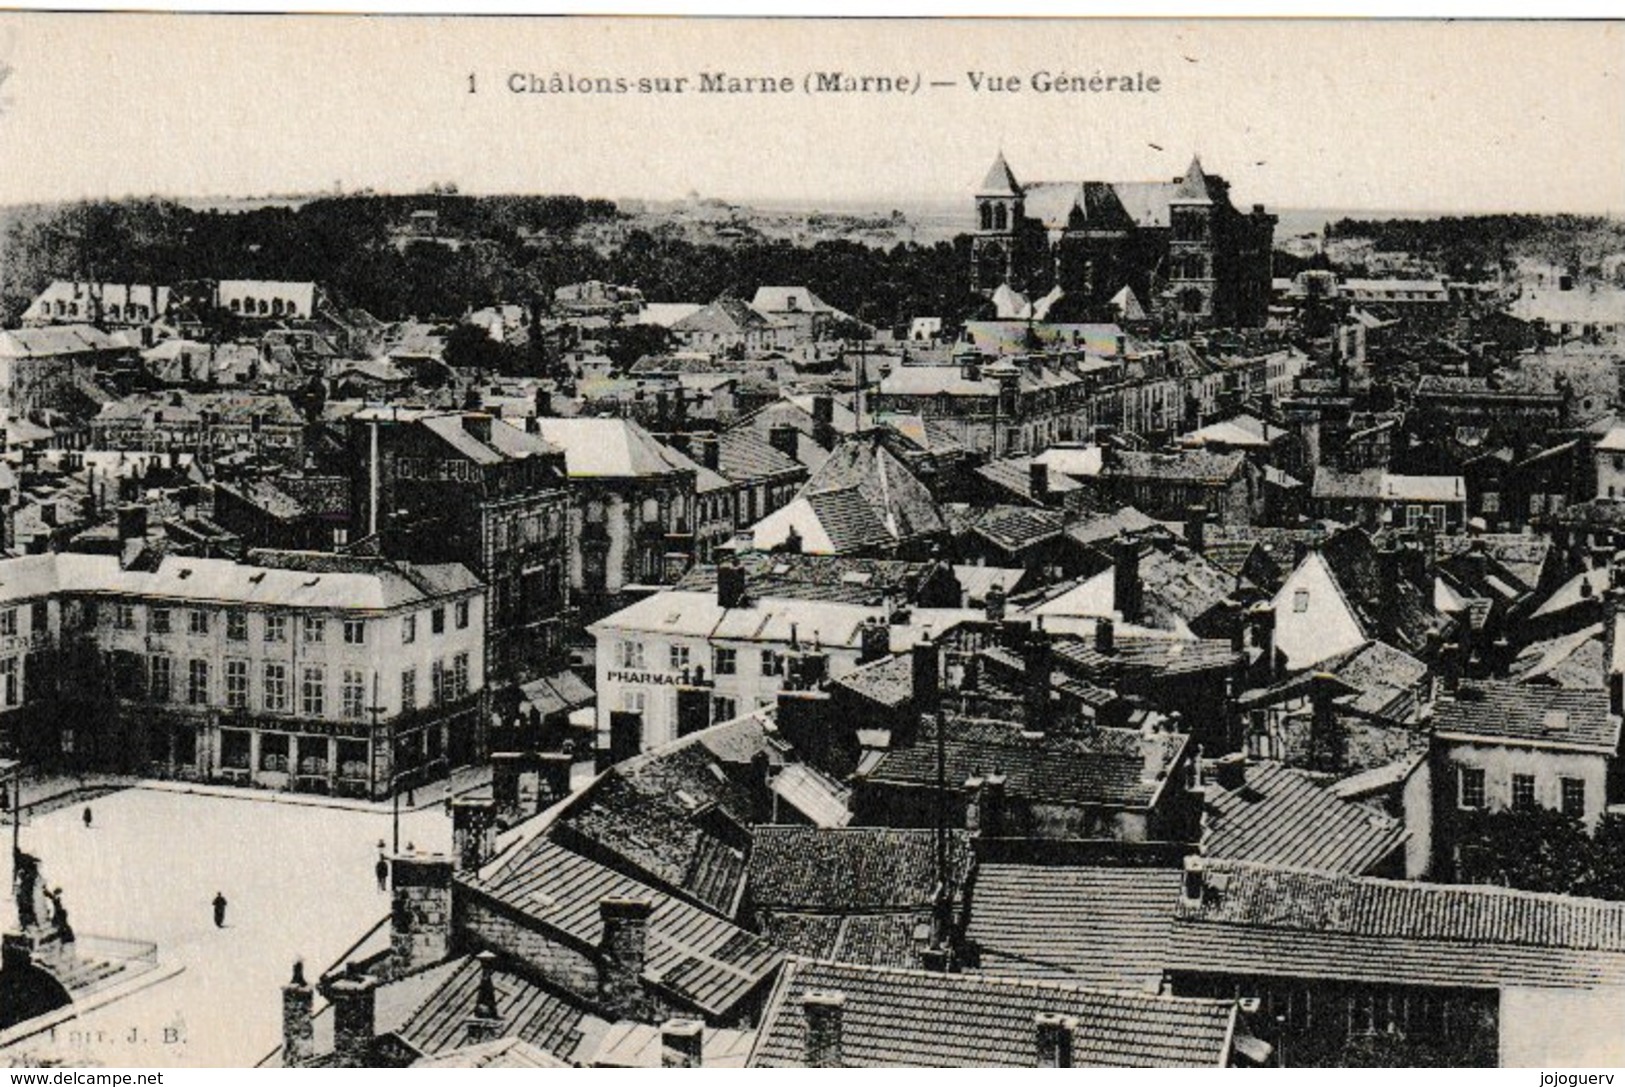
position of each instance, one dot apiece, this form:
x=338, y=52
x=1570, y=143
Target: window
x=1437, y=514
x=1472, y=787
x=409, y=689
x=8, y=680
x=158, y=621
x=460, y=611
x=632, y=655
x=276, y=628
x=313, y=691
x=437, y=682
x=41, y=617
x=1523, y=792
x=1300, y=601
x=236, y=625
x=459, y=675
x=274, y=752
x=409, y=629
x=124, y=616
x=237, y=684
x=1491, y=502
x=197, y=682
x=634, y=702
x=437, y=621
x=725, y=662
x=197, y=622
x=679, y=657
x=276, y=688
x=315, y=629
x=354, y=693
x=163, y=678
x=722, y=709
x=1574, y=798
x=8, y=623
x=770, y=663
x=355, y=632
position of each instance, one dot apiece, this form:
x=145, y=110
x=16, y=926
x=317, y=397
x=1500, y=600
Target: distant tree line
x=484, y=250
x=1543, y=850
x=1475, y=246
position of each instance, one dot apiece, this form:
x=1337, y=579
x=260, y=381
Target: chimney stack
x=823, y=1012
x=485, y=1023
x=1105, y=636
x=1126, y=588
x=1053, y=1034
x=1038, y=482
x=995, y=604
x=784, y=438
x=682, y=1043
x=927, y=676
x=710, y=450
x=1196, y=529
x=624, y=952
x=1230, y=771
x=132, y=523
x=478, y=426
x=420, y=911
x=473, y=832
x=1037, y=658
x=353, y=996
x=992, y=814
x=823, y=413
x=297, y=1033
x=730, y=585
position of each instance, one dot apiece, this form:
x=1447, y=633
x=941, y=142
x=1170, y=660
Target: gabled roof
x=557, y=1025
x=727, y=316
x=1494, y=712
x=1284, y=816
x=1396, y=612
x=909, y=1018
x=698, y=957
x=1102, y=927
x=611, y=449
x=1286, y=922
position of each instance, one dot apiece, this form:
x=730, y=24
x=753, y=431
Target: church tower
x=1190, y=246
x=999, y=212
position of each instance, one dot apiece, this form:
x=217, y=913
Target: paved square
x=299, y=881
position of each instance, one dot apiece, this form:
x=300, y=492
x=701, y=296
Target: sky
x=1434, y=116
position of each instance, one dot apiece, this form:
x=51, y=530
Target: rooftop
x=1520, y=714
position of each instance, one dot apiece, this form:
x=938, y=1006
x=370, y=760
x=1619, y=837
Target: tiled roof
x=1102, y=927
x=1574, y=660
x=1396, y=613
x=530, y=1013
x=1194, y=466
x=846, y=578
x=1097, y=528
x=1495, y=712
x=509, y=1052
x=638, y=1045
x=742, y=457
x=1284, y=816
x=898, y=501
x=1385, y=679
x=1523, y=556
x=856, y=870
x=1099, y=767
x=611, y=448
x=867, y=939
x=660, y=811
x=1014, y=528
x=848, y=520
x=908, y=1018
x=700, y=958
x=1257, y=919
x=888, y=681
x=1144, y=657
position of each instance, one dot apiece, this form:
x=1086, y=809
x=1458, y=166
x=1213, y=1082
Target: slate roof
x=53, y=341
x=908, y=1018
x=1193, y=466
x=845, y=578
x=1523, y=556
x=855, y=870
x=1097, y=528
x=611, y=448
x=724, y=315
x=508, y=1052
x=1396, y=613
x=1144, y=657
x=897, y=500
x=1574, y=660
x=1013, y=475
x=1284, y=816
x=888, y=681
x=698, y=957
x=744, y=457
x=1384, y=679
x=175, y=406
x=639, y=1045
x=540, y=1017
x=1258, y=919
x=1102, y=927
x=1102, y=767
x=1512, y=713
x=848, y=520
x=1012, y=529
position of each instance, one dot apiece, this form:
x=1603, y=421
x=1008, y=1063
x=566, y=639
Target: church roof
x=1192, y=188
x=999, y=180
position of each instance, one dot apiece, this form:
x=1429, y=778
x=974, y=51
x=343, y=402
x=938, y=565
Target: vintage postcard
x=645, y=542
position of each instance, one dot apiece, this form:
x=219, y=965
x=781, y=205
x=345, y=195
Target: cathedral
x=1177, y=250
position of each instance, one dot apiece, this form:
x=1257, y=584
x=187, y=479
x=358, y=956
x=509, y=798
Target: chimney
x=1037, y=658
x=353, y=996
x=478, y=425
x=555, y=776
x=874, y=640
x=473, y=832
x=784, y=438
x=1038, y=482
x=1230, y=771
x=710, y=450
x=730, y=585
x=1126, y=577
x=1326, y=740
x=823, y=412
x=624, y=952
x=995, y=604
x=682, y=1043
x=991, y=819
x=1105, y=636
x=420, y=911
x=761, y=788
x=1122, y=345
x=297, y=1033
x=1053, y=1034
x=1194, y=887
x=927, y=676
x=484, y=1023
x=974, y=814
x=132, y=523
x=1196, y=529
x=823, y=1013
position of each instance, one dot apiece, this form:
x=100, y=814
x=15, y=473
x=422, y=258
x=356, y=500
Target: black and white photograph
x=695, y=542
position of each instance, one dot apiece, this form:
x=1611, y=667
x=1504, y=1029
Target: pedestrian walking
x=219, y=910
x=381, y=869
x=88, y=817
